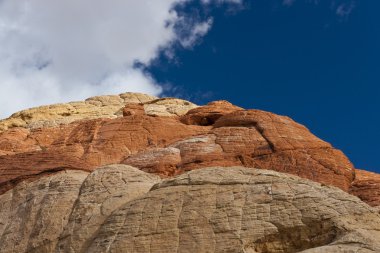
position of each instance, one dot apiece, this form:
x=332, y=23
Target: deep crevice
x=297, y=239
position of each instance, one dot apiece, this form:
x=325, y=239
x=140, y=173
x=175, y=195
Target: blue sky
x=315, y=61
x=308, y=61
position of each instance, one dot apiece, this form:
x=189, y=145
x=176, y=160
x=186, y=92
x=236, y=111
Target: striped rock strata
x=167, y=137
x=94, y=108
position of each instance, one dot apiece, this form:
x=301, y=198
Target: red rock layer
x=367, y=187
x=84, y=145
x=218, y=134
x=252, y=138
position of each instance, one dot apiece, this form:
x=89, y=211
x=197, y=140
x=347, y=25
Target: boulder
x=105, y=190
x=34, y=214
x=240, y=210
x=208, y=114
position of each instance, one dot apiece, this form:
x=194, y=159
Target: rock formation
x=60, y=193
x=186, y=137
x=367, y=187
x=103, y=191
x=33, y=215
x=94, y=108
x=121, y=209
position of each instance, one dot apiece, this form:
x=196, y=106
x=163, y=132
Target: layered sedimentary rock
x=94, y=108
x=52, y=115
x=122, y=209
x=131, y=173
x=84, y=145
x=167, y=137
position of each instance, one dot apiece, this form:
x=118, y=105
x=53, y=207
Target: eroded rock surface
x=53, y=115
x=168, y=107
x=168, y=137
x=367, y=187
x=86, y=145
x=34, y=214
x=240, y=210
x=119, y=208
x=255, y=139
x=94, y=108
x=207, y=115
x=67, y=207
x=103, y=191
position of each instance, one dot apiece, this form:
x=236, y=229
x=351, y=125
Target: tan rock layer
x=103, y=191
x=53, y=115
x=94, y=108
x=33, y=215
x=119, y=208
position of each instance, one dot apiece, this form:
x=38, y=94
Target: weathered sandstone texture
x=118, y=208
x=33, y=215
x=367, y=187
x=167, y=137
x=103, y=191
x=93, y=108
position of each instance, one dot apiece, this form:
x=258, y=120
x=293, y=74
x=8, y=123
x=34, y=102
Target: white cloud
x=288, y=2
x=57, y=51
x=222, y=1
x=197, y=30
x=345, y=9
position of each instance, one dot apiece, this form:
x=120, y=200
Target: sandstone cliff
x=55, y=198
x=122, y=209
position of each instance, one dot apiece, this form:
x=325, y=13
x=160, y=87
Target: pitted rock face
x=34, y=214
x=240, y=210
x=119, y=208
x=168, y=107
x=103, y=191
x=132, y=109
x=167, y=137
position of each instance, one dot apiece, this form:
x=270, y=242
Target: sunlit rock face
x=163, y=136
x=119, y=208
x=87, y=177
